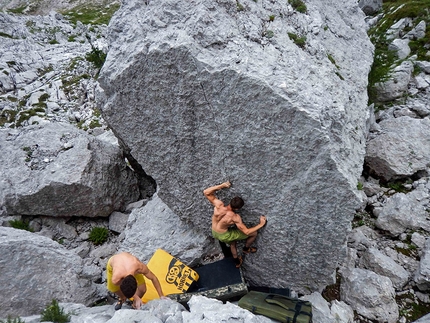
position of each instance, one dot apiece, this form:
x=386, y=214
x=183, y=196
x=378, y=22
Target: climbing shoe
x=238, y=261
x=249, y=250
x=118, y=305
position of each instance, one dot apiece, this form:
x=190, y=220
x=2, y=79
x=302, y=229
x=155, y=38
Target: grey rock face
x=36, y=270
x=401, y=149
x=422, y=275
x=339, y=312
x=424, y=319
x=376, y=261
x=418, y=32
x=118, y=221
x=202, y=309
x=370, y=7
x=156, y=226
x=202, y=92
x=83, y=314
x=401, y=47
x=206, y=310
x=370, y=294
x=397, y=84
x=58, y=170
x=404, y=211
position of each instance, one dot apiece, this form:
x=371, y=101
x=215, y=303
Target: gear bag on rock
x=279, y=307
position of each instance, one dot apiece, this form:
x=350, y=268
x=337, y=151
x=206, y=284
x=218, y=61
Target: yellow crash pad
x=174, y=276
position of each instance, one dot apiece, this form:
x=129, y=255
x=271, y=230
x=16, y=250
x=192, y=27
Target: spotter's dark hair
x=128, y=286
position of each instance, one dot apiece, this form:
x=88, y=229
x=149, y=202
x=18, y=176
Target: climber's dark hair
x=236, y=203
x=128, y=286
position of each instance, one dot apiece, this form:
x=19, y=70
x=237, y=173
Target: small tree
x=54, y=313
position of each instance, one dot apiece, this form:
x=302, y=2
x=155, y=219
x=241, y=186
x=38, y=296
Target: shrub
x=96, y=56
x=299, y=41
x=20, y=224
x=54, y=313
x=269, y=34
x=98, y=235
x=12, y=320
x=298, y=5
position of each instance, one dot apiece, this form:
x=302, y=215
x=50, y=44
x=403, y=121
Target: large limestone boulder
x=369, y=294
x=370, y=7
x=397, y=84
x=206, y=310
x=400, y=150
x=36, y=269
x=206, y=91
x=422, y=275
x=59, y=170
x=404, y=211
x=376, y=261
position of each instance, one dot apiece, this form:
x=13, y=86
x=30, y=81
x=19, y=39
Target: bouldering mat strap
x=280, y=300
x=288, y=304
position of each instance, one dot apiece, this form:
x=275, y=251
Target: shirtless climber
x=224, y=217
x=125, y=278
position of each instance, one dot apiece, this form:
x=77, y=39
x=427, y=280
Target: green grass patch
x=80, y=125
x=298, y=5
x=21, y=225
x=362, y=218
x=5, y=35
x=332, y=60
x=74, y=63
x=398, y=9
x=44, y=97
x=11, y=319
x=97, y=113
x=96, y=56
x=418, y=47
x=46, y=70
x=12, y=99
x=94, y=124
x=398, y=186
x=70, y=82
x=91, y=15
x=18, y=10
x=385, y=60
x=239, y=6
x=299, y=41
x=99, y=235
x=27, y=114
x=7, y=116
x=381, y=69
x=269, y=34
